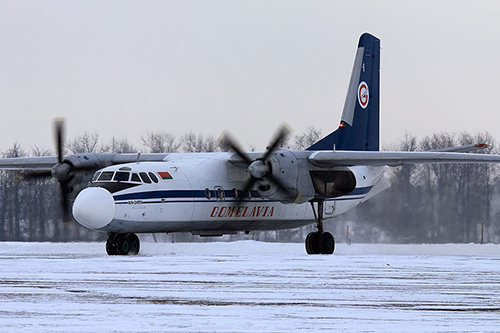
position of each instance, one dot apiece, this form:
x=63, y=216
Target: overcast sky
x=122, y=68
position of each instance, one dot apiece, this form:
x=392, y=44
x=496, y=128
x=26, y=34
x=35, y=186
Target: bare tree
x=474, y=190
x=310, y=136
x=160, y=142
x=37, y=151
x=12, y=210
x=15, y=151
x=85, y=143
x=119, y=146
x=440, y=181
x=193, y=143
x=404, y=192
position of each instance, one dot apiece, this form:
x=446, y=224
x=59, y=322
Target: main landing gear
x=319, y=242
x=122, y=244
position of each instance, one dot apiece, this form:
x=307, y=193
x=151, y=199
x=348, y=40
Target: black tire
x=134, y=244
x=122, y=244
x=313, y=243
x=326, y=243
x=308, y=243
x=111, y=247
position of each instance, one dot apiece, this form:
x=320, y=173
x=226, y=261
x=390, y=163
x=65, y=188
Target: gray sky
x=121, y=68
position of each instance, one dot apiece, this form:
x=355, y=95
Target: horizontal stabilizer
x=464, y=149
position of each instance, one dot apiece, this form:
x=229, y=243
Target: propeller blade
x=279, y=139
x=65, y=206
x=244, y=194
x=34, y=175
x=59, y=129
x=62, y=171
x=248, y=187
x=226, y=140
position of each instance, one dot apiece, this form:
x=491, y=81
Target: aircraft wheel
x=122, y=244
x=313, y=243
x=320, y=243
x=134, y=244
x=326, y=243
x=308, y=243
x=111, y=245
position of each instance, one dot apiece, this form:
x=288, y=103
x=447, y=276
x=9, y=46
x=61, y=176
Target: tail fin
x=359, y=127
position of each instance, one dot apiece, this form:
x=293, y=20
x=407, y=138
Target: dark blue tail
x=359, y=127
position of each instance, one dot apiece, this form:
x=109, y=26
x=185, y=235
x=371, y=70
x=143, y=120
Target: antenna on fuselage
x=138, y=157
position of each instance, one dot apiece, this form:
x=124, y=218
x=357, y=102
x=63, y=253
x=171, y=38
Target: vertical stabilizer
x=360, y=126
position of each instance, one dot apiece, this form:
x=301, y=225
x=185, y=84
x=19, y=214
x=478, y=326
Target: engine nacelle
x=333, y=183
x=284, y=167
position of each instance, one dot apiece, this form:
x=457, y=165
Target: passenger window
x=105, y=176
x=96, y=175
x=121, y=176
x=153, y=177
x=220, y=193
x=135, y=178
x=145, y=178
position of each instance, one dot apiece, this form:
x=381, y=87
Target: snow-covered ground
x=249, y=286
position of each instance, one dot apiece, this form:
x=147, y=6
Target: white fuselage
x=198, y=193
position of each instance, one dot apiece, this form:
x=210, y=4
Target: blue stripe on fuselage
x=179, y=194
x=199, y=194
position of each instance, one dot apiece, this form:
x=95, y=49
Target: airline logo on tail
x=363, y=95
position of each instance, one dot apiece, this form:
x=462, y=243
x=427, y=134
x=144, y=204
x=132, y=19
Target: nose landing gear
x=319, y=242
x=122, y=244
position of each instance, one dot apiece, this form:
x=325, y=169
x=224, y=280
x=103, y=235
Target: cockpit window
x=96, y=175
x=105, y=176
x=153, y=177
x=121, y=176
x=125, y=176
x=145, y=178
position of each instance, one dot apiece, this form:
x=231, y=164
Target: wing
x=379, y=158
x=44, y=163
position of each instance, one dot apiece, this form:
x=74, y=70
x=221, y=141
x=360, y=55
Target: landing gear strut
x=319, y=242
x=122, y=244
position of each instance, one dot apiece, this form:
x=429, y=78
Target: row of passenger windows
x=220, y=194
x=123, y=176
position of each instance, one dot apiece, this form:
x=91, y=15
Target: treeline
x=440, y=203
x=425, y=204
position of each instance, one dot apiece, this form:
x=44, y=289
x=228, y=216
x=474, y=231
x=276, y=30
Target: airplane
x=213, y=194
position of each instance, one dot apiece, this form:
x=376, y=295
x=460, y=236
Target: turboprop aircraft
x=212, y=194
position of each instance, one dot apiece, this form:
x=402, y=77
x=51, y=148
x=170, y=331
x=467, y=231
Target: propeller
x=260, y=168
x=61, y=171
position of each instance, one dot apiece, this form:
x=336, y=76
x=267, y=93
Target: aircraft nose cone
x=94, y=207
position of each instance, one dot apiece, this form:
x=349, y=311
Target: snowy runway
x=249, y=286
